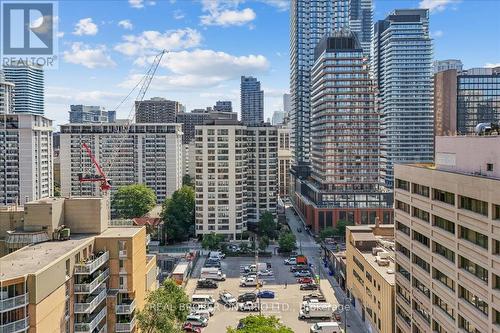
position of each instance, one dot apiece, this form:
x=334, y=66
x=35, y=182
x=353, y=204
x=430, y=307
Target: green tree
x=263, y=243
x=327, y=233
x=267, y=225
x=212, y=241
x=287, y=242
x=340, y=227
x=260, y=324
x=178, y=214
x=133, y=201
x=166, y=309
x=57, y=191
x=187, y=180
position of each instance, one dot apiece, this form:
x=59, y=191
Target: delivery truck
x=316, y=310
x=212, y=273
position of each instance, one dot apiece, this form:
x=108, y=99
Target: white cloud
x=281, y=5
x=126, y=24
x=64, y=95
x=85, y=27
x=60, y=34
x=437, y=33
x=436, y=5
x=82, y=54
x=492, y=65
x=140, y=3
x=149, y=42
x=225, y=13
x=178, y=14
x=201, y=69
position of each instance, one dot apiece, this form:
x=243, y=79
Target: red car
x=305, y=280
x=188, y=327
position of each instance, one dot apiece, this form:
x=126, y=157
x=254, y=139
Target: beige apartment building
x=95, y=281
x=370, y=274
x=448, y=239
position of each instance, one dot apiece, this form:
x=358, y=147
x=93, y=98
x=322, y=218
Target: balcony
x=126, y=307
x=91, y=323
x=87, y=288
x=92, y=265
x=92, y=302
x=122, y=253
x=125, y=327
x=16, y=326
x=13, y=302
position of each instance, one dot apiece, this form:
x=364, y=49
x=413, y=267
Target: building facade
x=26, y=158
x=81, y=114
x=444, y=65
x=445, y=102
x=370, y=274
x=402, y=68
x=6, y=96
x=28, y=88
x=157, y=110
x=345, y=158
x=223, y=106
x=89, y=283
x=284, y=161
x=149, y=154
x=448, y=238
x=278, y=118
x=252, y=101
x=189, y=121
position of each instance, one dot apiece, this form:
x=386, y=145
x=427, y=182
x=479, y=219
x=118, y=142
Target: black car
x=246, y=297
x=207, y=284
x=212, y=263
x=309, y=286
x=297, y=268
x=299, y=230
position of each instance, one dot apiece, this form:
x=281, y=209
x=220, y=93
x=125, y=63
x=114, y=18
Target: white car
x=248, y=306
x=266, y=272
x=250, y=282
x=201, y=313
x=227, y=299
x=203, y=308
x=291, y=261
x=196, y=320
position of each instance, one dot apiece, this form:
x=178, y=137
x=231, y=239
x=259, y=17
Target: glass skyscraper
x=402, y=67
x=252, y=101
x=28, y=89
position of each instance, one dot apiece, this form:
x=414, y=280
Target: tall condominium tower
x=26, y=158
x=252, y=101
x=28, y=89
x=345, y=181
x=309, y=22
x=157, y=110
x=402, y=67
x=90, y=114
x=223, y=106
x=6, y=96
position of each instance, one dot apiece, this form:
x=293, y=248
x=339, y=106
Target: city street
x=311, y=249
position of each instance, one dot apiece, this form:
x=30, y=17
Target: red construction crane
x=100, y=177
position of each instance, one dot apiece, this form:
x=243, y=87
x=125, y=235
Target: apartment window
x=474, y=300
x=421, y=214
x=421, y=311
x=420, y=190
x=437, y=327
x=368, y=276
x=436, y=300
x=474, y=268
x=420, y=286
x=402, y=249
x=403, y=184
x=466, y=325
x=444, y=251
x=403, y=293
x=422, y=263
x=443, y=278
x=444, y=224
x=489, y=166
x=496, y=281
x=403, y=228
x=474, y=205
x=443, y=196
x=403, y=315
x=496, y=212
x=474, y=237
x=401, y=270
x=496, y=247
x=424, y=240
x=358, y=263
x=68, y=265
x=403, y=206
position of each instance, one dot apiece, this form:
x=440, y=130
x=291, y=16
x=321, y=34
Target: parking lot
x=285, y=305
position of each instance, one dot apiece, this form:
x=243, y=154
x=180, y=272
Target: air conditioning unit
x=383, y=262
x=384, y=254
x=376, y=250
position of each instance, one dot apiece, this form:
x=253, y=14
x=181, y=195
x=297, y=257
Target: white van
x=216, y=255
x=203, y=299
x=326, y=327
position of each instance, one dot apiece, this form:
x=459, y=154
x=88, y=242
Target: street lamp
x=348, y=299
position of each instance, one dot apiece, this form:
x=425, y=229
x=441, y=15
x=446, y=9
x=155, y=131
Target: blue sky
x=105, y=47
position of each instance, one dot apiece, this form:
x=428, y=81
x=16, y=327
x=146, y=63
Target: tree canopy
x=187, y=180
x=166, y=309
x=212, y=241
x=133, y=201
x=267, y=225
x=337, y=231
x=260, y=324
x=287, y=242
x=178, y=214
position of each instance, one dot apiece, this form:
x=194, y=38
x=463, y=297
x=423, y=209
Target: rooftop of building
x=116, y=232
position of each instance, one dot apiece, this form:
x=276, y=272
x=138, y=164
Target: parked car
x=317, y=296
x=247, y=297
x=290, y=261
x=204, y=308
x=266, y=272
x=212, y=263
x=297, y=268
x=250, y=282
x=227, y=299
x=303, y=273
x=305, y=280
x=265, y=294
x=200, y=312
x=248, y=306
x=207, y=284
x=196, y=320
x=309, y=286
x=189, y=328
x=299, y=230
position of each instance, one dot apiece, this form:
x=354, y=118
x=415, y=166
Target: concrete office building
x=26, y=158
x=401, y=66
x=94, y=282
x=370, y=274
x=444, y=65
x=149, y=154
x=252, y=101
x=464, y=99
x=81, y=114
x=189, y=121
x=448, y=238
x=284, y=161
x=28, y=89
x=223, y=106
x=157, y=110
x=345, y=181
x=6, y=96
